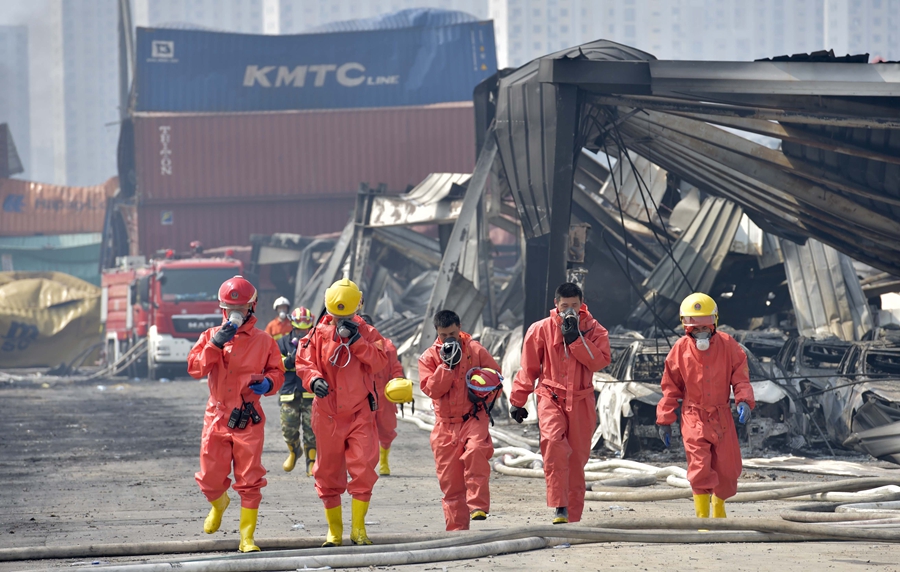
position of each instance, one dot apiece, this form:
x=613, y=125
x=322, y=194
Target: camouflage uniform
x=296, y=407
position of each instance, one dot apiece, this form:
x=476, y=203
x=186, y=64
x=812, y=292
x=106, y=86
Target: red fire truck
x=169, y=301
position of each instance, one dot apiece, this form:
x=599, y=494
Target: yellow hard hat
x=342, y=298
x=699, y=309
x=399, y=390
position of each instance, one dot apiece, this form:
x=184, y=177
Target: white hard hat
x=281, y=302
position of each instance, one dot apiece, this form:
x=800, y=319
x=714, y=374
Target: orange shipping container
x=28, y=208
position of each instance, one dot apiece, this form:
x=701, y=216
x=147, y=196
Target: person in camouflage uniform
x=296, y=404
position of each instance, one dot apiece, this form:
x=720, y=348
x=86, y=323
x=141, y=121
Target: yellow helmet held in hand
x=342, y=298
x=399, y=390
x=699, y=309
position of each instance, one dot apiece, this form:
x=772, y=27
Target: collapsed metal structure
x=836, y=176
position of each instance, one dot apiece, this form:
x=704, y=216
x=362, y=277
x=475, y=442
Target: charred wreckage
x=773, y=185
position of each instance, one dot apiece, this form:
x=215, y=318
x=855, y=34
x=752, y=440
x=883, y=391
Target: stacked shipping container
x=230, y=142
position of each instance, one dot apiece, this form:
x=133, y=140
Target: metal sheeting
x=526, y=131
x=632, y=196
x=749, y=238
x=429, y=202
x=197, y=157
x=825, y=291
x=836, y=179
x=696, y=260
x=436, y=187
x=28, y=208
x=194, y=70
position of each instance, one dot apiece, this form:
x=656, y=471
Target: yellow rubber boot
x=248, y=527
x=358, y=522
x=718, y=507
x=214, y=518
x=335, y=527
x=291, y=460
x=310, y=461
x=701, y=505
x=383, y=468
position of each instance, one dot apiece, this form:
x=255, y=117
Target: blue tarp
x=200, y=71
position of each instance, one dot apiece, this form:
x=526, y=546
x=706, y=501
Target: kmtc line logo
x=351, y=74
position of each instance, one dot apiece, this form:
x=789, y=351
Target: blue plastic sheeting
x=189, y=70
x=74, y=254
x=411, y=18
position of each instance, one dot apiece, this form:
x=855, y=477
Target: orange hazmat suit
x=703, y=382
x=386, y=415
x=460, y=441
x=343, y=421
x=228, y=370
x=565, y=405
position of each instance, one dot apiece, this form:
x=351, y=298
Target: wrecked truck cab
x=628, y=394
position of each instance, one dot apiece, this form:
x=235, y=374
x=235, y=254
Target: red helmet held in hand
x=237, y=291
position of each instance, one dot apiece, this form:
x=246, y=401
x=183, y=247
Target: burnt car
x=866, y=414
x=765, y=345
x=628, y=395
x=805, y=367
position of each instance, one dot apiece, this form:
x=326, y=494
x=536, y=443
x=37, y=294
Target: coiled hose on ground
x=872, y=517
x=456, y=546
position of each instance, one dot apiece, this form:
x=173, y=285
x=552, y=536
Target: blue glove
x=665, y=434
x=743, y=412
x=261, y=387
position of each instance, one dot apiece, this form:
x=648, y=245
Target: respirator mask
x=701, y=339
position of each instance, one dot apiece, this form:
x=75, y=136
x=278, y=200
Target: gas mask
x=236, y=318
x=342, y=329
x=701, y=339
x=571, y=316
x=282, y=315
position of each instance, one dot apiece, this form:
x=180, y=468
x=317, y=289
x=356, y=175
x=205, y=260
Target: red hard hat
x=484, y=381
x=237, y=291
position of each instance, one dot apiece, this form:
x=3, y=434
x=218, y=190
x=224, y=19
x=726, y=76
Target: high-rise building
x=863, y=26
x=668, y=29
x=90, y=82
x=244, y=16
x=14, y=100
x=297, y=16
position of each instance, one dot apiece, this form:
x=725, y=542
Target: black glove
x=451, y=352
x=224, y=334
x=350, y=328
x=319, y=387
x=518, y=413
x=665, y=434
x=569, y=328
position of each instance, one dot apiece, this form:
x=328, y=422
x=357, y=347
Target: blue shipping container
x=189, y=70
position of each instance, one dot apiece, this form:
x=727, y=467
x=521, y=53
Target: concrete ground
x=113, y=461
